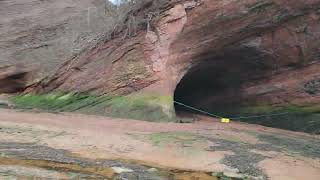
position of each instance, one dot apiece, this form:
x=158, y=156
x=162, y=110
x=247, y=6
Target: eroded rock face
x=250, y=51
x=44, y=34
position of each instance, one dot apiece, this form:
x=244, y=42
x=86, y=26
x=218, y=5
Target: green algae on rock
x=140, y=106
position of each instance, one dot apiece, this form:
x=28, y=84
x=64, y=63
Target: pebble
x=152, y=170
x=120, y=170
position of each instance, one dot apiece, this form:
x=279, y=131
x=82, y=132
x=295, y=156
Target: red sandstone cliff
x=270, y=46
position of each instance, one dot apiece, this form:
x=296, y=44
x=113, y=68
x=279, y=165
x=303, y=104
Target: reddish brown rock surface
x=263, y=51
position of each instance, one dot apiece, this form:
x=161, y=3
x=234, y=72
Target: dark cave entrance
x=215, y=83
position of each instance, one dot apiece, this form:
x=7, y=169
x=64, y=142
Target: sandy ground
x=207, y=145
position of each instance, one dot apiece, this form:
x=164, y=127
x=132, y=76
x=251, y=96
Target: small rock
x=120, y=170
x=186, y=120
x=234, y=175
x=152, y=170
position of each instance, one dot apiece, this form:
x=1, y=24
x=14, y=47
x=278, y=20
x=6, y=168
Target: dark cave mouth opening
x=218, y=85
x=207, y=90
x=215, y=83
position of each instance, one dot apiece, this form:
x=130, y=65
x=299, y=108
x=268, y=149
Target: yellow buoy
x=225, y=120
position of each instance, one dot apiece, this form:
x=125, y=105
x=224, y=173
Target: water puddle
x=40, y=169
x=31, y=161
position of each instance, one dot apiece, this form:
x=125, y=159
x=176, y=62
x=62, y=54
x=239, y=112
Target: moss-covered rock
x=140, y=106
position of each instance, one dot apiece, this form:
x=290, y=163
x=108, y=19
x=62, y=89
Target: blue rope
x=239, y=117
x=199, y=110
